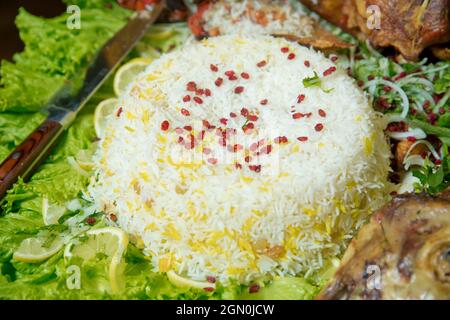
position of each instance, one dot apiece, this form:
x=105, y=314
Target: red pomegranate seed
x=264, y=102
x=165, y=125
x=235, y=148
x=239, y=89
x=322, y=113
x=207, y=92
x=233, y=115
x=209, y=289
x=248, y=159
x=249, y=126
x=438, y=162
x=334, y=58
x=218, y=82
x=256, y=168
x=302, y=139
x=113, y=217
x=191, y=86
x=229, y=73
x=223, y=121
x=285, y=49
x=297, y=115
x=238, y=166
x=318, y=127
x=199, y=92
x=411, y=139
x=281, y=140
x=187, y=98
x=211, y=279
x=180, y=140
x=254, y=288
x=90, y=221
x=291, y=56
x=119, y=112
x=370, y=78
x=185, y=112
x=188, y=128
x=245, y=75
x=329, y=71
x=232, y=78
x=244, y=112
x=212, y=160
x=198, y=100
x=307, y=63
x=201, y=135
x=441, y=110
x=252, y=117
x=267, y=149
x=261, y=63
x=300, y=98
x=214, y=68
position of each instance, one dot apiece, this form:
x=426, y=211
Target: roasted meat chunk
x=408, y=25
x=403, y=253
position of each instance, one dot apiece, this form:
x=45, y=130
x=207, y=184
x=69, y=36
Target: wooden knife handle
x=29, y=154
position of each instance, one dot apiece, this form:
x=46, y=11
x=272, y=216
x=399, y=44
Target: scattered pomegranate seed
x=211, y=279
x=90, y=221
x=411, y=139
x=322, y=113
x=119, y=112
x=267, y=149
x=113, y=217
x=281, y=140
x=208, y=289
x=207, y=92
x=188, y=128
x=248, y=159
x=329, y=71
x=300, y=98
x=223, y=121
x=198, y=100
x=441, y=110
x=438, y=162
x=264, y=102
x=232, y=78
x=235, y=148
x=424, y=154
x=201, y=135
x=229, y=73
x=297, y=115
x=318, y=127
x=233, y=115
x=291, y=56
x=218, y=82
x=252, y=117
x=334, y=58
x=212, y=160
x=214, y=68
x=370, y=78
x=302, y=139
x=254, y=288
x=238, y=166
x=400, y=76
x=244, y=112
x=191, y=86
x=180, y=140
x=285, y=49
x=247, y=127
x=387, y=88
x=165, y=125
x=245, y=75
x=256, y=168
x=199, y=92
x=261, y=63
x=307, y=63
x=187, y=98
x=185, y=112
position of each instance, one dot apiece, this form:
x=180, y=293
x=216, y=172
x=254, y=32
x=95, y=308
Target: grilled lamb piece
x=403, y=253
x=408, y=25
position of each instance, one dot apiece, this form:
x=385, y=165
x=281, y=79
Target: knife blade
x=70, y=99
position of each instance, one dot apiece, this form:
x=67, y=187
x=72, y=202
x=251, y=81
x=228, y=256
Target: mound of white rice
x=220, y=162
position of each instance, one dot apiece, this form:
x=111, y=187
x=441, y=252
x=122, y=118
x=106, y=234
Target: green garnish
x=315, y=81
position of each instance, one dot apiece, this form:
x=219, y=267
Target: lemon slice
x=181, y=282
x=33, y=250
x=84, y=159
x=128, y=72
x=102, y=111
x=109, y=241
x=51, y=212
